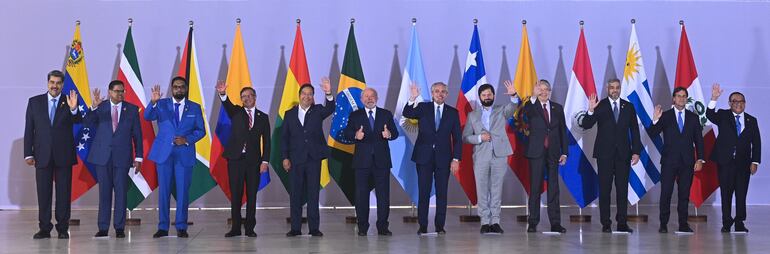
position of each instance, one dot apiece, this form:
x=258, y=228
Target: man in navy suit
x=303, y=148
x=49, y=146
x=437, y=151
x=371, y=128
x=682, y=138
x=112, y=152
x=180, y=125
x=737, y=152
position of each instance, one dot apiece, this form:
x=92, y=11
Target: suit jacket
x=621, y=136
x=301, y=143
x=118, y=145
x=50, y=142
x=556, y=129
x=240, y=134
x=446, y=143
x=678, y=146
x=373, y=149
x=190, y=126
x=498, y=120
x=747, y=146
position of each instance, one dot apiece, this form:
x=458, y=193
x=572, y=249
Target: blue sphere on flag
x=348, y=100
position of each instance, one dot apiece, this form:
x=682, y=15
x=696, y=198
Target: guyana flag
x=348, y=100
x=142, y=184
x=201, y=181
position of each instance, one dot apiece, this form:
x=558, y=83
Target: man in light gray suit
x=485, y=130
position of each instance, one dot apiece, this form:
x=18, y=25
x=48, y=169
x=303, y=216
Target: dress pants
x=381, y=177
x=305, y=184
x=44, y=179
x=172, y=171
x=682, y=174
x=426, y=174
x=489, y=175
x=615, y=168
x=537, y=172
x=111, y=178
x=243, y=172
x=734, y=179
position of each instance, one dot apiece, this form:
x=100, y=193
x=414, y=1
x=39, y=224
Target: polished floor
x=206, y=235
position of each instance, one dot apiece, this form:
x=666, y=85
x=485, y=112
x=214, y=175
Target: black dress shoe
x=293, y=233
x=663, y=229
x=120, y=234
x=251, y=234
x=685, y=228
x=531, y=229
x=41, y=235
x=316, y=233
x=558, y=229
x=495, y=228
x=361, y=233
x=384, y=232
x=741, y=228
x=422, y=230
x=66, y=235
x=101, y=233
x=485, y=229
x=182, y=234
x=625, y=228
x=232, y=233
x=160, y=233
x=607, y=229
x=441, y=231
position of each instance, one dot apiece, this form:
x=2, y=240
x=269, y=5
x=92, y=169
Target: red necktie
x=114, y=118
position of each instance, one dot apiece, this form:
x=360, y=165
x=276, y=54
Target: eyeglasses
x=738, y=102
x=118, y=91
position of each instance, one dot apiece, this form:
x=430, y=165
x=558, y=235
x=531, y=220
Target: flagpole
x=76, y=222
x=580, y=217
x=525, y=217
x=470, y=217
x=637, y=217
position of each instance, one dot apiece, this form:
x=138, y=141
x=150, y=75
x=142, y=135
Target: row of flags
x=579, y=173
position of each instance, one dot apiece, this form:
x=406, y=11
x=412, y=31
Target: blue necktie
x=438, y=117
x=371, y=119
x=680, y=121
x=615, y=110
x=738, y=124
x=176, y=112
x=52, y=110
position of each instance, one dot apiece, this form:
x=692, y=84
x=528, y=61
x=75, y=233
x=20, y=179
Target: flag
x=201, y=181
x=473, y=77
x=76, y=78
x=297, y=75
x=348, y=99
x=401, y=148
x=635, y=88
x=524, y=81
x=705, y=181
x=142, y=184
x=579, y=172
x=238, y=77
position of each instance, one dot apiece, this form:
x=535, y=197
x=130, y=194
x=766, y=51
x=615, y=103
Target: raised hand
x=510, y=87
x=97, y=98
x=592, y=102
x=326, y=85
x=221, y=87
x=657, y=114
x=156, y=94
x=414, y=91
x=72, y=100
x=360, y=133
x=716, y=91
x=385, y=132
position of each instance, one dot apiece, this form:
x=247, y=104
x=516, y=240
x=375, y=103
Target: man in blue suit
x=117, y=133
x=437, y=150
x=303, y=148
x=371, y=128
x=180, y=125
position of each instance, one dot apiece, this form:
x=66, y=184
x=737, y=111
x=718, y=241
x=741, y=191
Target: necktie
x=114, y=117
x=176, y=112
x=438, y=117
x=615, y=110
x=738, y=124
x=251, y=119
x=52, y=110
x=680, y=121
x=371, y=119
x=547, y=118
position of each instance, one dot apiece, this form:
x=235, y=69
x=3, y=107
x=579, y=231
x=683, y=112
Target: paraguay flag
x=579, y=173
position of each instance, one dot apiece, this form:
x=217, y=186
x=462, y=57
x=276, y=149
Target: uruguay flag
x=636, y=90
x=579, y=173
x=404, y=169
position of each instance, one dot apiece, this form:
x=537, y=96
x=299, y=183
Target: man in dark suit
x=370, y=128
x=303, y=148
x=180, y=126
x=737, y=152
x=112, y=153
x=49, y=146
x=682, y=138
x=546, y=150
x=248, y=147
x=617, y=147
x=437, y=151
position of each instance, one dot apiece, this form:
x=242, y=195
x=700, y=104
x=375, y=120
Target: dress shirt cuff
x=712, y=104
x=590, y=113
x=329, y=97
x=138, y=159
x=29, y=157
x=456, y=160
x=755, y=163
x=655, y=121
x=265, y=162
x=222, y=97
x=515, y=99
x=73, y=112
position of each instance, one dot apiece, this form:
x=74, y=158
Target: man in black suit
x=437, y=151
x=737, y=152
x=682, y=138
x=49, y=146
x=247, y=149
x=303, y=148
x=617, y=147
x=370, y=128
x=546, y=150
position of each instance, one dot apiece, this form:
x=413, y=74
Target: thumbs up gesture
x=360, y=133
x=385, y=132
